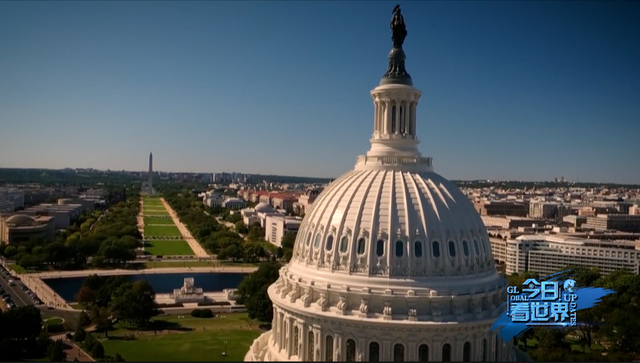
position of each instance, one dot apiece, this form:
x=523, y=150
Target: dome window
x=398, y=353
x=380, y=248
x=465, y=247
x=399, y=248
x=466, y=352
x=446, y=353
x=351, y=350
x=329, y=245
x=475, y=245
x=417, y=249
x=452, y=249
x=361, y=245
x=484, y=350
x=436, y=249
x=309, y=238
x=328, y=351
x=310, y=344
x=423, y=353
x=317, y=241
x=374, y=352
x=344, y=244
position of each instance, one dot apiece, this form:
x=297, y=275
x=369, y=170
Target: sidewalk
x=166, y=270
x=44, y=292
x=186, y=235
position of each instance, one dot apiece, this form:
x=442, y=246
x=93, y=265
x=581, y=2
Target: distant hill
x=288, y=179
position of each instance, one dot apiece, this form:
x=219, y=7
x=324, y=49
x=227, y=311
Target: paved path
x=186, y=235
x=73, y=351
x=44, y=292
x=166, y=270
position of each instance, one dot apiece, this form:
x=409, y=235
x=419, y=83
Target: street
x=18, y=296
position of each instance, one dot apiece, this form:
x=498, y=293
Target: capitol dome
x=391, y=262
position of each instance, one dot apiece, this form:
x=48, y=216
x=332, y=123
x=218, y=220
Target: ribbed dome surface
x=393, y=223
x=21, y=220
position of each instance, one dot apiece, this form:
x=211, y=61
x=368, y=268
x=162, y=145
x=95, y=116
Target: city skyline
x=511, y=91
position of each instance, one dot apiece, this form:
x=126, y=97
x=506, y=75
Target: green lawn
x=153, y=211
x=153, y=205
x=158, y=220
x=53, y=321
x=151, y=200
x=167, y=248
x=18, y=269
x=161, y=231
x=189, y=339
x=178, y=264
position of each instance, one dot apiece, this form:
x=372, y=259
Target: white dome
x=393, y=224
x=264, y=208
x=391, y=262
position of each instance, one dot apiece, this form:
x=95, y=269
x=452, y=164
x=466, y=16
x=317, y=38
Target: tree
x=143, y=300
x=241, y=227
x=253, y=291
x=256, y=232
x=56, y=353
x=102, y=318
x=80, y=334
x=288, y=240
x=84, y=320
x=97, y=351
x=10, y=251
x=86, y=297
x=89, y=342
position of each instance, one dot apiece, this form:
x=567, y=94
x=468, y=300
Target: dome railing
x=393, y=160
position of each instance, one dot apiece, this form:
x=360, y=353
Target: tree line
x=610, y=327
x=104, y=238
x=113, y=298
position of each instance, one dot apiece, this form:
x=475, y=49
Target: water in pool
x=161, y=283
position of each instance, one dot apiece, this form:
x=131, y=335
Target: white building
x=392, y=263
x=546, y=254
x=259, y=213
x=211, y=200
x=234, y=203
x=277, y=226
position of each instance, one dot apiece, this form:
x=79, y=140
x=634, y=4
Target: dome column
x=412, y=118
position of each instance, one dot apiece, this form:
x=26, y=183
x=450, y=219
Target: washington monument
x=150, y=183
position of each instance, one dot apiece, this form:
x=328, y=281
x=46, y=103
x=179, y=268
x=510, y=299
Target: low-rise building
x=508, y=222
x=20, y=228
x=547, y=254
x=617, y=222
x=501, y=208
x=259, y=213
x=6, y=207
x=276, y=226
x=234, y=203
x=14, y=196
x=64, y=214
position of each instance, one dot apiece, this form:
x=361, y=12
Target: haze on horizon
x=511, y=90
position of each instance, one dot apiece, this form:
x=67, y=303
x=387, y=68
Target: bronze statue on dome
x=398, y=29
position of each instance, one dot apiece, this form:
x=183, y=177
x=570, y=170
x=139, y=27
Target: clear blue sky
x=511, y=90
